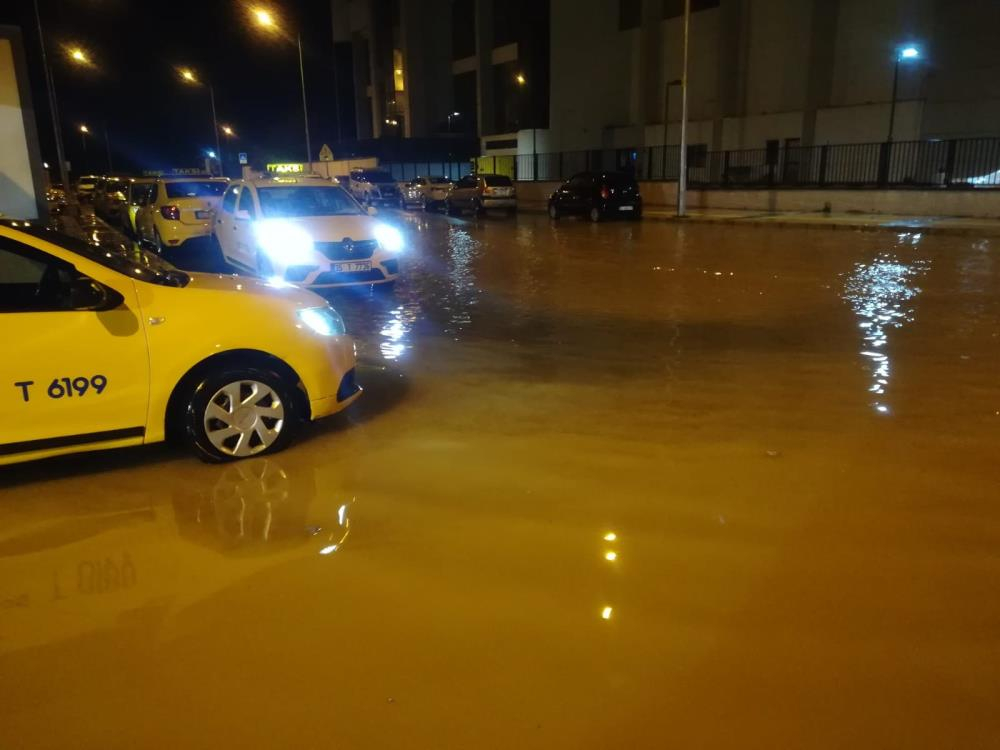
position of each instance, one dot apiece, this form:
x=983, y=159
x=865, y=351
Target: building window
x=629, y=14
x=397, y=70
x=463, y=29
x=675, y=8
x=506, y=18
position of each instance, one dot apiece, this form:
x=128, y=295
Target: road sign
x=325, y=153
x=243, y=157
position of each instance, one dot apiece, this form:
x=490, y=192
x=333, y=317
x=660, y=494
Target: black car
x=597, y=195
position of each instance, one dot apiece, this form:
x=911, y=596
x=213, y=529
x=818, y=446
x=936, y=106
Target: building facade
x=563, y=75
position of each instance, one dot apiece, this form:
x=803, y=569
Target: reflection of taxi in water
x=108, y=348
x=160, y=548
x=306, y=231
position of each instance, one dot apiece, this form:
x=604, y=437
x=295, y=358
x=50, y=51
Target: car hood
x=247, y=285
x=337, y=228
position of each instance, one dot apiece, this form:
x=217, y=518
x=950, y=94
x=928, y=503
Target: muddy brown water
x=611, y=486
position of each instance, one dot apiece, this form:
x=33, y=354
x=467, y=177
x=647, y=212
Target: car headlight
x=389, y=238
x=323, y=320
x=284, y=241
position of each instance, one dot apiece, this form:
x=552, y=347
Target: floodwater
x=611, y=486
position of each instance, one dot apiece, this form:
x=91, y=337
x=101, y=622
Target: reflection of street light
x=450, y=116
x=905, y=52
x=188, y=76
x=266, y=20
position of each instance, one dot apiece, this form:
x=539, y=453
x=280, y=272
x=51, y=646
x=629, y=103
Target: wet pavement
x=610, y=486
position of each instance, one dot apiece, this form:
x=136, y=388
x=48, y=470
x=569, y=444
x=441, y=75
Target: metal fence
x=954, y=163
x=405, y=171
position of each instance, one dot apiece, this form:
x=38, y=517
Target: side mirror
x=87, y=294
x=372, y=211
x=242, y=215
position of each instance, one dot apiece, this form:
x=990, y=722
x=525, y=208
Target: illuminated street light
x=450, y=117
x=521, y=80
x=84, y=129
x=266, y=20
x=76, y=54
x=188, y=76
x=909, y=53
x=228, y=130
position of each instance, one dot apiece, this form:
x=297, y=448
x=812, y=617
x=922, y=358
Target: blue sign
x=243, y=157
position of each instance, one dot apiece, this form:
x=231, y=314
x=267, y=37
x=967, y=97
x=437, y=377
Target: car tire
x=265, y=269
x=218, y=429
x=595, y=214
x=554, y=211
x=477, y=208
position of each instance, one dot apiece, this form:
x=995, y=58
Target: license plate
x=352, y=267
x=203, y=214
x=626, y=208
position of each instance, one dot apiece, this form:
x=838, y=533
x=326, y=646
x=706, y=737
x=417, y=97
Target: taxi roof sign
x=286, y=168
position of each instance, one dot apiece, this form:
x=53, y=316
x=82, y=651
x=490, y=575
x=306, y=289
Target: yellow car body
x=136, y=196
x=179, y=209
x=84, y=374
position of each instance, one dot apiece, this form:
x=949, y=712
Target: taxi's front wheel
x=240, y=413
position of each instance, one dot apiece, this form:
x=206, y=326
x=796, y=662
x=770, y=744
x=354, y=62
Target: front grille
x=349, y=277
x=347, y=249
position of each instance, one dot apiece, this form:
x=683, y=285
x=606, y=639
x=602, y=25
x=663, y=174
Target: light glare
x=606, y=613
x=389, y=237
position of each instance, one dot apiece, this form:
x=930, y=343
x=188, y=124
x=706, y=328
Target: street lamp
x=84, y=132
x=450, y=116
x=188, y=76
x=78, y=55
x=906, y=52
x=266, y=20
x=228, y=131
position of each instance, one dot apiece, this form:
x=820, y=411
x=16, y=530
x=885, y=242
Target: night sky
x=154, y=120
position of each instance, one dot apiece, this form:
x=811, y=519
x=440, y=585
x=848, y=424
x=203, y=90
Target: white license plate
x=352, y=267
x=203, y=214
x=626, y=208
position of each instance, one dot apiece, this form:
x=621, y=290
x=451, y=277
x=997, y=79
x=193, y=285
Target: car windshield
x=300, y=200
x=618, y=179
x=89, y=181
x=439, y=180
x=127, y=260
x=140, y=192
x=375, y=176
x=495, y=180
x=195, y=189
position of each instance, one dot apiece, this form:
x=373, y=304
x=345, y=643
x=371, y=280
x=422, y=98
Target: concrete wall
x=976, y=203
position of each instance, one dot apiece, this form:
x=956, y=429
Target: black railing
x=953, y=163
x=405, y=171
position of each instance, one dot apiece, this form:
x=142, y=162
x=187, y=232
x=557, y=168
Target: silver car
x=428, y=193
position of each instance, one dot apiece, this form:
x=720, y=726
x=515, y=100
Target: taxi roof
x=308, y=180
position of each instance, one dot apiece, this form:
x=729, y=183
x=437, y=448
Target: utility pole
x=305, y=111
x=682, y=177
x=215, y=127
x=53, y=107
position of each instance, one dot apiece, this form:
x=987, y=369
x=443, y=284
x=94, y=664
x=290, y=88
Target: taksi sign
x=286, y=168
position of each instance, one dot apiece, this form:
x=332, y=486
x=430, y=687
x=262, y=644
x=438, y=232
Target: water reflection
x=879, y=292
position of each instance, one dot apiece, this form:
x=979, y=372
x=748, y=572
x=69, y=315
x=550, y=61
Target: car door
x=144, y=216
x=225, y=222
x=245, y=242
x=77, y=375
x=466, y=191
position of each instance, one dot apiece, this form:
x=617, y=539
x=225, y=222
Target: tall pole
x=892, y=107
x=682, y=177
x=53, y=107
x=215, y=127
x=107, y=145
x=305, y=110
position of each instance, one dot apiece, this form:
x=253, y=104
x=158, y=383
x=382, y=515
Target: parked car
x=179, y=209
x=427, y=192
x=85, y=187
x=109, y=348
x=109, y=198
x=55, y=196
x=597, y=195
x=305, y=231
x=481, y=192
x=137, y=195
x=374, y=187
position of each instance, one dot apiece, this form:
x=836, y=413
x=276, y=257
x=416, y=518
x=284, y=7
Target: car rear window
x=375, y=176
x=439, y=180
x=194, y=189
x=618, y=179
x=496, y=180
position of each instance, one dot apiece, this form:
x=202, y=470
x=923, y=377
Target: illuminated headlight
x=389, y=238
x=284, y=241
x=323, y=320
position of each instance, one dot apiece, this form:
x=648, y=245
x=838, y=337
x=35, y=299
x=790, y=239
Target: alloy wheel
x=244, y=418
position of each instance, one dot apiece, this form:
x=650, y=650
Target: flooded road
x=610, y=486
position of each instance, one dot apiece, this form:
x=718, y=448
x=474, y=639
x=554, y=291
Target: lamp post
x=523, y=82
x=905, y=52
x=84, y=132
x=682, y=177
x=450, y=116
x=265, y=19
x=188, y=76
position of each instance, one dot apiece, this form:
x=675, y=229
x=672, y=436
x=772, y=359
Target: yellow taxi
x=137, y=194
x=109, y=348
x=179, y=209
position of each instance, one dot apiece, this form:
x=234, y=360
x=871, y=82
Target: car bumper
x=382, y=268
x=327, y=374
x=174, y=233
x=499, y=202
